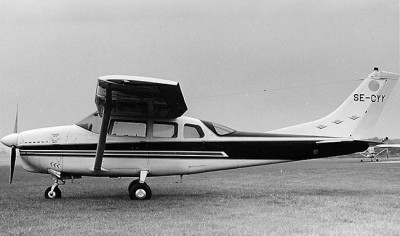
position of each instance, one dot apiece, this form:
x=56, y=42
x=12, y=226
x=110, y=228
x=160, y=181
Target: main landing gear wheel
x=139, y=191
x=56, y=193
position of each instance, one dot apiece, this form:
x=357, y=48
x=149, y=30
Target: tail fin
x=357, y=115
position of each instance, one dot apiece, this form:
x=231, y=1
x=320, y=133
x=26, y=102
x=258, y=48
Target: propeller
x=13, y=147
x=11, y=141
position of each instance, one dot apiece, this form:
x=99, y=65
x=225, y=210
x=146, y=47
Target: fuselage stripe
x=115, y=154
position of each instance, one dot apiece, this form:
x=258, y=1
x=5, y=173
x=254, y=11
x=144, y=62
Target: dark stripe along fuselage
x=288, y=150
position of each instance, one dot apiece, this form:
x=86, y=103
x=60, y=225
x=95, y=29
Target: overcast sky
x=307, y=55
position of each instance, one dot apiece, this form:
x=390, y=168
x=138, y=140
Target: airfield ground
x=335, y=196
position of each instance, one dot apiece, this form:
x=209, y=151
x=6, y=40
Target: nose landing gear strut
x=53, y=191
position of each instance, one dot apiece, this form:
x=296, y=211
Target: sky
x=251, y=65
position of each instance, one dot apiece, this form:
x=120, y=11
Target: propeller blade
x=13, y=157
x=13, y=149
x=16, y=121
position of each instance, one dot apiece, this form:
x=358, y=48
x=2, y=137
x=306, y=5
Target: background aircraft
x=139, y=130
x=372, y=154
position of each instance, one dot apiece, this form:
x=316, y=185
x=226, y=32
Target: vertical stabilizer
x=357, y=115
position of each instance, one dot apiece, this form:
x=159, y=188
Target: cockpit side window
x=91, y=123
x=128, y=128
x=192, y=131
x=165, y=130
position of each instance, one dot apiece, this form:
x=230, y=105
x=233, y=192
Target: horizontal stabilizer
x=388, y=145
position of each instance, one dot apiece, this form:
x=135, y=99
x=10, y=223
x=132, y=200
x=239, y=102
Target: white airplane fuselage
x=71, y=150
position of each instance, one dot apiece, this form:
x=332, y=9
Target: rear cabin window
x=218, y=129
x=165, y=130
x=222, y=130
x=192, y=131
x=129, y=128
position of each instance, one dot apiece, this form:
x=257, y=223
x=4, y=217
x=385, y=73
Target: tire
x=140, y=191
x=136, y=181
x=56, y=193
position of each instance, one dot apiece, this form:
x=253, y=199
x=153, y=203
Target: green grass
x=318, y=197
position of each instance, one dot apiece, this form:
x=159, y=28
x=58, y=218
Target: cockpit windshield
x=91, y=123
x=218, y=129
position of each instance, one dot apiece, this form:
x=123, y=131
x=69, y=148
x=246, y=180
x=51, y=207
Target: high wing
x=142, y=97
x=134, y=96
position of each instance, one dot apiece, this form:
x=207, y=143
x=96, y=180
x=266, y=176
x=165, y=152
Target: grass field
x=336, y=196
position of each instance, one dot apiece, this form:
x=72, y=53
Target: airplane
x=372, y=154
x=139, y=130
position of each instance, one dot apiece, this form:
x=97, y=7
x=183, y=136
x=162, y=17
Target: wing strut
x=103, y=131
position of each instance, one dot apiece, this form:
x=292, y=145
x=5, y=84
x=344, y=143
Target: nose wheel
x=138, y=189
x=53, y=191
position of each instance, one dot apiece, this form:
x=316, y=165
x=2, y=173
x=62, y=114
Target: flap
x=141, y=97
